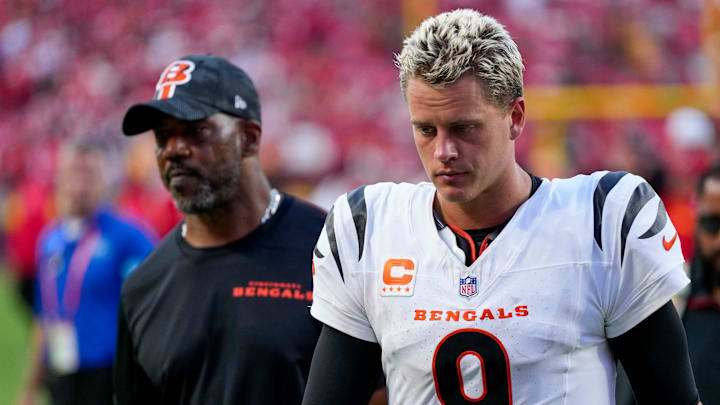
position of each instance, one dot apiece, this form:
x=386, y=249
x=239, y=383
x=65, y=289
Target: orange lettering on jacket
x=272, y=290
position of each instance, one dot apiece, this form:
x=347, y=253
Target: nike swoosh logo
x=668, y=245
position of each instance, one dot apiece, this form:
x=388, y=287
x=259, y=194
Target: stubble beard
x=211, y=195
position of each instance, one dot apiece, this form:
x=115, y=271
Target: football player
x=488, y=284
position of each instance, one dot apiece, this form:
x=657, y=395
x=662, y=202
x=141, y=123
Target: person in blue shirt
x=83, y=257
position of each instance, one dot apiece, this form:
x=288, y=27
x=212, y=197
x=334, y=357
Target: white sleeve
x=338, y=283
x=647, y=262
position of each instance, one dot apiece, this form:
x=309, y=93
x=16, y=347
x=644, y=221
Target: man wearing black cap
x=218, y=313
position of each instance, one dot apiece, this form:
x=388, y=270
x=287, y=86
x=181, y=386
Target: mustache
x=179, y=168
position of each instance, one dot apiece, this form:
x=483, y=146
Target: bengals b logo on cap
x=211, y=85
x=177, y=73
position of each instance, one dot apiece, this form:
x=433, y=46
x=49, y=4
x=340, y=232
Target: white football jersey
x=583, y=260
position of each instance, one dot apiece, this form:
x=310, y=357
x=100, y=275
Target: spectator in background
x=702, y=313
x=82, y=260
x=26, y=212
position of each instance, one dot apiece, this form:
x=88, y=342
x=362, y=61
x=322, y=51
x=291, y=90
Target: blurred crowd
x=333, y=115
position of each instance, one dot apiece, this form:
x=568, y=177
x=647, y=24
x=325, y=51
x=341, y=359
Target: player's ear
x=251, y=132
x=517, y=118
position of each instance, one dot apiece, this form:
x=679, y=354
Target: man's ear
x=517, y=118
x=251, y=133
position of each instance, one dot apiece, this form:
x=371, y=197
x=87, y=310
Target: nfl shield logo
x=468, y=286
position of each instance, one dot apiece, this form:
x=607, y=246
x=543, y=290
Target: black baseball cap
x=193, y=88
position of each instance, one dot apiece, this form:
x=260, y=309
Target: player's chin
x=453, y=194
x=183, y=195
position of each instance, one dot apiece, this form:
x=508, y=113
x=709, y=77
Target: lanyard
x=77, y=268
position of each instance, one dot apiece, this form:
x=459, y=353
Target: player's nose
x=176, y=147
x=445, y=146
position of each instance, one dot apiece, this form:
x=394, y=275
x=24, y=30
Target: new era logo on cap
x=240, y=103
x=177, y=73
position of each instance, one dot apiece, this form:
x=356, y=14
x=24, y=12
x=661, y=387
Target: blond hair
x=446, y=46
